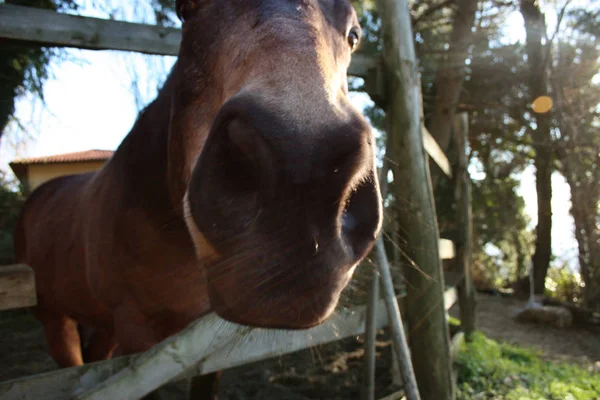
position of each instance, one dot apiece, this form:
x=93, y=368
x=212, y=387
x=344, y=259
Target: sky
x=89, y=105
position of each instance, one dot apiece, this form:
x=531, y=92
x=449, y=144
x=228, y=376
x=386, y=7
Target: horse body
x=248, y=188
x=103, y=245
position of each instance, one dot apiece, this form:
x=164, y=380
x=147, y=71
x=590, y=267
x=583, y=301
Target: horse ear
x=184, y=8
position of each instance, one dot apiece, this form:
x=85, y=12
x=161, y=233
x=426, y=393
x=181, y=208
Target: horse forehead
x=334, y=11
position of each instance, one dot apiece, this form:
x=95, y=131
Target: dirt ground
x=575, y=344
x=325, y=372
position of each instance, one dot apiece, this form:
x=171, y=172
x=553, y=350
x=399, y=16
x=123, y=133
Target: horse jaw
x=202, y=246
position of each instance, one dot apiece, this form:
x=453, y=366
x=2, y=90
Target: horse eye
x=353, y=39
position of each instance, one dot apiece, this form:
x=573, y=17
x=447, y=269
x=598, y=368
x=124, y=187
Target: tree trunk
x=464, y=217
x=535, y=28
x=584, y=210
x=593, y=289
x=450, y=76
x=581, y=235
x=428, y=330
x=579, y=157
x=520, y=262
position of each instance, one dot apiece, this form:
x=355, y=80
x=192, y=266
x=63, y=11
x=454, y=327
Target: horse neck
x=140, y=164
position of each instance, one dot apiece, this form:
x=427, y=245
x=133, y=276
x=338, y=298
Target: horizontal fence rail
x=436, y=153
x=17, y=287
x=50, y=28
x=17, y=282
x=207, y=345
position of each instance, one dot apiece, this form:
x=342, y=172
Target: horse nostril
x=361, y=218
x=252, y=155
x=349, y=222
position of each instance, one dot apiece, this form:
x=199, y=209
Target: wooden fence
x=205, y=346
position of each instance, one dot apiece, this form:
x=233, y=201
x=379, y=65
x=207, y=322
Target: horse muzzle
x=290, y=208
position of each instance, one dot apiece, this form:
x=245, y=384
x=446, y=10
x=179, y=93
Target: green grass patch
x=491, y=370
x=453, y=321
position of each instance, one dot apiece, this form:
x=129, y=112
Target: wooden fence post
x=400, y=287
x=399, y=342
x=368, y=387
x=462, y=195
x=428, y=330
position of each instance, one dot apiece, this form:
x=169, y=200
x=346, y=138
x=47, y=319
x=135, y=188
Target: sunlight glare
x=542, y=104
x=513, y=30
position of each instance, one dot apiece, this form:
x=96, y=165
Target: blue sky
x=89, y=104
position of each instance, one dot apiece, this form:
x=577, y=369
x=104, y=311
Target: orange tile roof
x=79, y=156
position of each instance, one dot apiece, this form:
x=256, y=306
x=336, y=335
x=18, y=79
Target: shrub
x=564, y=285
x=491, y=370
x=11, y=201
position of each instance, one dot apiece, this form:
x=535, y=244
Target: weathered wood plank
x=368, y=384
x=447, y=251
x=453, y=277
x=370, y=347
x=450, y=297
x=435, y=152
x=457, y=342
x=205, y=346
x=60, y=384
x=462, y=195
x=17, y=287
x=395, y=396
x=49, y=28
x=429, y=337
x=400, y=344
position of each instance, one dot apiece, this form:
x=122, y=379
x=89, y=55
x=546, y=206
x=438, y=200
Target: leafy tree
x=24, y=67
x=11, y=201
x=577, y=115
x=493, y=94
x=501, y=231
x=500, y=150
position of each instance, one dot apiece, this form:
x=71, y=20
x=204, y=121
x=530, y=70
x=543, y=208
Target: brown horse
x=247, y=187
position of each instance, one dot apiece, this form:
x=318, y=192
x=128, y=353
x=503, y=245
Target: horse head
x=275, y=167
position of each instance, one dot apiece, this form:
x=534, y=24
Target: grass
x=491, y=370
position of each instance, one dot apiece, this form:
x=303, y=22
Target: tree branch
x=432, y=10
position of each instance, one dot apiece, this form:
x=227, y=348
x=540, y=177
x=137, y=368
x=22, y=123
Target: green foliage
x=11, y=201
x=577, y=114
x=164, y=12
x=564, y=285
x=494, y=96
x=500, y=231
x=488, y=369
x=24, y=67
x=500, y=143
x=587, y=20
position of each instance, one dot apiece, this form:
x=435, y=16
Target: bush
x=11, y=201
x=491, y=370
x=564, y=285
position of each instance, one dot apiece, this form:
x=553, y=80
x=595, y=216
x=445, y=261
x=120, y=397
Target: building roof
x=79, y=156
x=21, y=165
